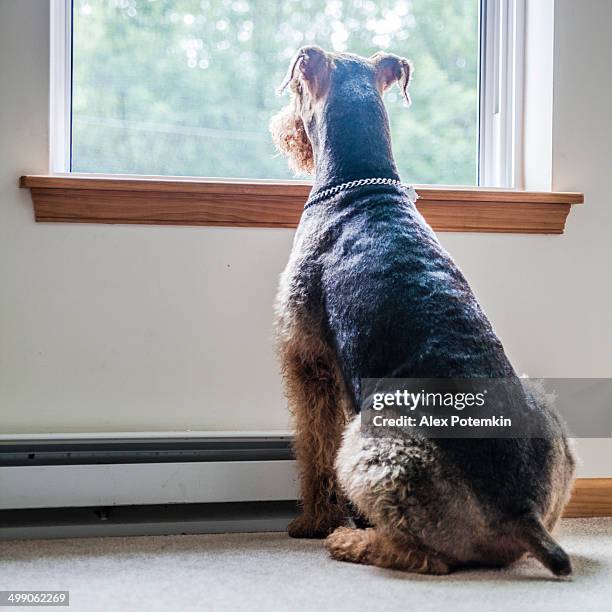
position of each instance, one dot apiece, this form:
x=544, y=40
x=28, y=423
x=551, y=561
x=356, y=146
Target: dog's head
x=314, y=78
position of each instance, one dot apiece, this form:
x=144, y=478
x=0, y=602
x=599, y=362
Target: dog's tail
x=532, y=535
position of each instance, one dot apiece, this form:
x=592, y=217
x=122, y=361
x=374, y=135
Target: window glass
x=187, y=87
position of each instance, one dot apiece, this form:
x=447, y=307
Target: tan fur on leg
x=315, y=398
x=371, y=547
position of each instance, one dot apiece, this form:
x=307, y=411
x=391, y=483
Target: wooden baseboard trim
x=591, y=497
x=77, y=198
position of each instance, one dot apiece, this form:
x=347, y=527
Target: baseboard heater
x=64, y=487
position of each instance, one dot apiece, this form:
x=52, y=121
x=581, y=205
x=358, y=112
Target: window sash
x=502, y=62
x=502, y=35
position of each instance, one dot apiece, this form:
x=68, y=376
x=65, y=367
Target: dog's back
x=396, y=303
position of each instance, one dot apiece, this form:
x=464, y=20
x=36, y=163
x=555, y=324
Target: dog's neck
x=352, y=141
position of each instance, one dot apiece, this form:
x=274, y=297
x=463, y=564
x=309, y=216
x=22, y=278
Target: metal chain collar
x=412, y=194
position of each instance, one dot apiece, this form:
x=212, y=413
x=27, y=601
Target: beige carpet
x=270, y=572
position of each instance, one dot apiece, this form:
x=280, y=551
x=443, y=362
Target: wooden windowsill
x=177, y=201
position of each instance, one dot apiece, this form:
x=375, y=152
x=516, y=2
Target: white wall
x=121, y=328
x=168, y=328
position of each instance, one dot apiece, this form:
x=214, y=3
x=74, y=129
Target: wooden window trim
x=188, y=201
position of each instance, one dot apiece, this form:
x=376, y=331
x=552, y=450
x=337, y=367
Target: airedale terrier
x=369, y=292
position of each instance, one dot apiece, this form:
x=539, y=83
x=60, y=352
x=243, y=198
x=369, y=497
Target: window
x=187, y=87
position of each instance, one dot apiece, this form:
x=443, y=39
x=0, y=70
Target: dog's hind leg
x=315, y=393
x=373, y=547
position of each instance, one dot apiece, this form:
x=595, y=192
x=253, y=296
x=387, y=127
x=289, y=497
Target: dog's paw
x=367, y=546
x=436, y=567
x=305, y=526
x=346, y=544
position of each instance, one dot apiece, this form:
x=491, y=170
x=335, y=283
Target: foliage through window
x=187, y=87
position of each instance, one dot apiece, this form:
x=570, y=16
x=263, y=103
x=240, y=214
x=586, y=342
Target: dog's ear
x=312, y=65
x=392, y=69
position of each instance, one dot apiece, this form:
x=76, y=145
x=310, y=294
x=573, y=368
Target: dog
x=369, y=292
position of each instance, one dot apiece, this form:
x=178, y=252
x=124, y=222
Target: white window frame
x=502, y=67
x=502, y=41
x=60, y=86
